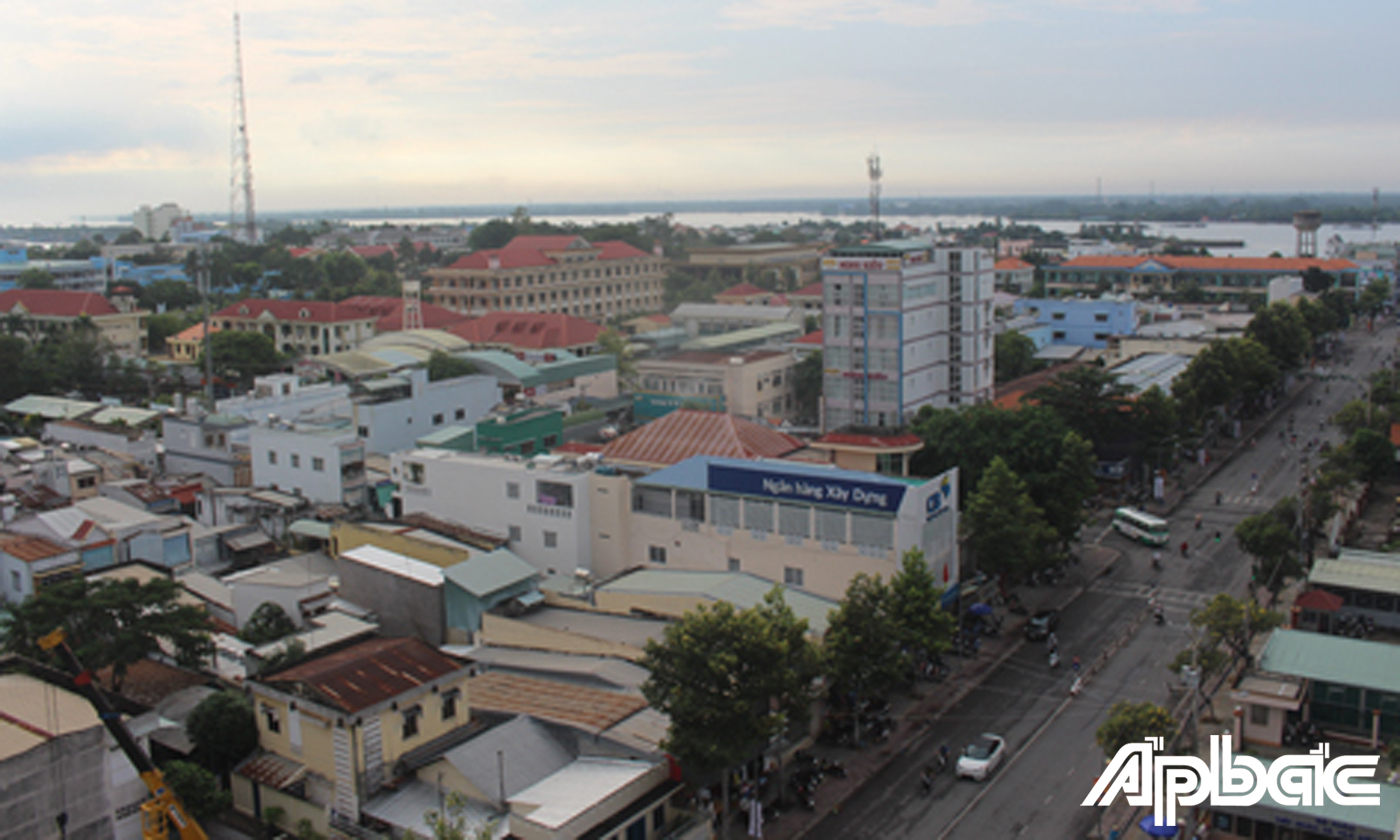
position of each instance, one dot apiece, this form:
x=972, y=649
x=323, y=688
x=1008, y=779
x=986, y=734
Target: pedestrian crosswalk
x=1244, y=500
x=1167, y=595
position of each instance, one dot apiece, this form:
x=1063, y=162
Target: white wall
x=394, y=426
x=292, y=471
x=473, y=490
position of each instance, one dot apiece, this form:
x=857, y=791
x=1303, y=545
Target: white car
x=981, y=757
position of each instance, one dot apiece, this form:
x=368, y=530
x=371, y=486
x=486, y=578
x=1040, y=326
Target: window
x=318, y=464
x=554, y=493
x=758, y=515
x=1258, y=715
x=16, y=581
x=656, y=553
x=362, y=431
x=792, y=576
x=794, y=520
x=413, y=472
x=734, y=565
x=86, y=482
x=1058, y=316
x=296, y=461
x=652, y=500
x=690, y=505
x=515, y=533
x=437, y=419
x=724, y=511
x=272, y=720
x=449, y=703
x=512, y=490
x=551, y=441
x=410, y=721
x=459, y=414
x=551, y=539
x=1101, y=317
x=272, y=457
x=1058, y=335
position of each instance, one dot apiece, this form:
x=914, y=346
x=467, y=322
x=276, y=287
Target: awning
x=248, y=542
x=312, y=528
x=531, y=598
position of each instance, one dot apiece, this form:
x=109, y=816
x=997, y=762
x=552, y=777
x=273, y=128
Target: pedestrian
x=1074, y=663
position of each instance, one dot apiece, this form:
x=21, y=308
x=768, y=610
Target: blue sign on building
x=798, y=487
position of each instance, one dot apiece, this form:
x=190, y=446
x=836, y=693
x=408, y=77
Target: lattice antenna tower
x=412, y=305
x=872, y=164
x=240, y=156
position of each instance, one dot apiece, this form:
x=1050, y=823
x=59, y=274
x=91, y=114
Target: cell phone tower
x=240, y=156
x=872, y=164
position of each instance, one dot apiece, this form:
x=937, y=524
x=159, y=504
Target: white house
x=323, y=463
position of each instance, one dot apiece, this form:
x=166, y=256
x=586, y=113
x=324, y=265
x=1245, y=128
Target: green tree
x=1005, y=524
x=1373, y=452
x=243, y=355
x=451, y=822
x=36, y=278
x=1014, y=354
x=1156, y=423
x=198, y=789
x=1091, y=401
x=1317, y=281
x=730, y=680
x=924, y=628
x=129, y=237
x=1280, y=328
x=807, y=384
x=443, y=365
x=1356, y=415
x=1233, y=623
x=1374, y=297
x=496, y=233
x=224, y=730
x=862, y=644
x=161, y=326
x=1272, y=538
x=615, y=344
x=111, y=623
x=1130, y=723
x=268, y=623
x=1074, y=477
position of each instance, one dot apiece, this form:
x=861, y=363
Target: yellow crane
x=163, y=815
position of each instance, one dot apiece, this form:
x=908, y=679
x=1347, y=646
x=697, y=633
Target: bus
x=1141, y=526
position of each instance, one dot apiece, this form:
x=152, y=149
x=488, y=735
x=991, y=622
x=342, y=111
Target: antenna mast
x=873, y=165
x=241, y=161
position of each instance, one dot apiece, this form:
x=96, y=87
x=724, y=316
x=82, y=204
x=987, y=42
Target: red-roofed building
x=549, y=274
x=186, y=345
x=1014, y=275
x=685, y=433
x=520, y=332
x=1217, y=276
x=301, y=327
x=29, y=562
x=744, y=294
x=117, y=320
x=369, y=252
x=389, y=311
x=808, y=297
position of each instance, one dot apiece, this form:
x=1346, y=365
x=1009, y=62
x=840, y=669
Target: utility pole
x=202, y=278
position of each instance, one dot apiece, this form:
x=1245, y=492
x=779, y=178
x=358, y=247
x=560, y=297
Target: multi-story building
x=1221, y=277
x=1081, y=321
x=69, y=275
x=907, y=324
x=1014, y=275
x=300, y=327
x=39, y=311
x=704, y=319
x=755, y=384
x=323, y=463
x=565, y=274
x=155, y=223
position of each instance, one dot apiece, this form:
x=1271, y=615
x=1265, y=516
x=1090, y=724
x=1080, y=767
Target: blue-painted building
x=1081, y=321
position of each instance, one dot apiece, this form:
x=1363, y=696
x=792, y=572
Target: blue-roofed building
x=811, y=527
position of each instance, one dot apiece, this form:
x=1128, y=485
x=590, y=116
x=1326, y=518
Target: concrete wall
x=405, y=607
x=143, y=448
x=66, y=774
x=293, y=467
x=395, y=425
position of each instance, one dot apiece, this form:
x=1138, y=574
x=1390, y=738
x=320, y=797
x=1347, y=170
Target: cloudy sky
x=107, y=105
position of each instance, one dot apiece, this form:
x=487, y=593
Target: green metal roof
x=485, y=573
x=500, y=362
x=741, y=589
x=51, y=408
x=1363, y=570
x=751, y=335
x=447, y=434
x=1333, y=659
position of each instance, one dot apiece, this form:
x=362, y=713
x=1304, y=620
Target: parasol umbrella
x=980, y=608
x=1150, y=827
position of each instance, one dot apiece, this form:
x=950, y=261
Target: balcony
x=550, y=510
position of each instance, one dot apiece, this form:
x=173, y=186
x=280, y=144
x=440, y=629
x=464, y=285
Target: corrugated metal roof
x=592, y=710
x=1333, y=659
x=373, y=671
x=405, y=806
x=531, y=753
x=562, y=797
x=30, y=548
x=751, y=335
x=51, y=408
x=1356, y=572
x=36, y=711
x=741, y=589
x=483, y=574
x=125, y=414
x=271, y=769
x=619, y=674
x=644, y=731
x=685, y=433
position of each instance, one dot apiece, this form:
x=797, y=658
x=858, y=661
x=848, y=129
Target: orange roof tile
x=809, y=290
x=29, y=549
x=815, y=337
x=590, y=709
x=1011, y=264
x=195, y=333
x=901, y=441
x=528, y=330
x=741, y=290
x=525, y=251
x=317, y=311
x=1281, y=264
x=57, y=303
x=685, y=433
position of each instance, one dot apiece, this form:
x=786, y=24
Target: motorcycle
x=1158, y=616
x=1054, y=659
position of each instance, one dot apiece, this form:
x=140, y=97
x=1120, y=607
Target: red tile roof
x=528, y=330
x=809, y=290
x=901, y=441
x=816, y=337
x=195, y=333
x=1319, y=599
x=741, y=290
x=1281, y=264
x=1011, y=264
x=369, y=252
x=317, y=311
x=590, y=709
x=685, y=433
x=525, y=251
x=28, y=549
x=362, y=675
x=577, y=447
x=56, y=303
x=389, y=310
x=779, y=299
x=304, y=252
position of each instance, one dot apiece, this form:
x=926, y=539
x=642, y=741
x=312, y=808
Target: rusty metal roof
x=271, y=769
x=362, y=675
x=590, y=709
x=28, y=549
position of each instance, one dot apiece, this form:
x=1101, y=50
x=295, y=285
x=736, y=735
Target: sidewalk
x=917, y=714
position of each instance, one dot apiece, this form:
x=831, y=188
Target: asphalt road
x=1052, y=758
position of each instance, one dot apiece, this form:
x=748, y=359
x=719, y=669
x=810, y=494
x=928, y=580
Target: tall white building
x=155, y=222
x=908, y=323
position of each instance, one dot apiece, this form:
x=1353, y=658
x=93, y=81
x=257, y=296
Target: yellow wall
x=347, y=535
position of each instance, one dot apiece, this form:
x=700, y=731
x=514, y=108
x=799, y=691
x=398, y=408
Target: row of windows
x=549, y=538
x=547, y=277
x=792, y=575
x=763, y=515
x=530, y=280
x=518, y=304
x=294, y=461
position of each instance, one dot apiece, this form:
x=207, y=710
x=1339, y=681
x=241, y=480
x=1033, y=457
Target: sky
x=105, y=106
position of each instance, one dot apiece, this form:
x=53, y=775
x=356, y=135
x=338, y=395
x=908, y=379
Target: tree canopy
x=1008, y=530
x=1283, y=333
x=1233, y=623
x=268, y=623
x=223, y=729
x=243, y=355
x=1090, y=400
x=1130, y=722
x=1272, y=538
x=1014, y=354
x=862, y=642
x=616, y=344
x=198, y=789
x=442, y=365
x=114, y=623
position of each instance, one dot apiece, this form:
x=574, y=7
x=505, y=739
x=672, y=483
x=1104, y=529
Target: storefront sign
x=840, y=492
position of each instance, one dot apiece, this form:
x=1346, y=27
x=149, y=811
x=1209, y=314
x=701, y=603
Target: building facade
x=1080, y=321
x=300, y=327
x=39, y=312
x=1218, y=277
x=907, y=324
x=325, y=464
x=755, y=384
x=564, y=274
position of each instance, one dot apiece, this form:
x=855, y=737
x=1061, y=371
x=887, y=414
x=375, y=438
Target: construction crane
x=162, y=816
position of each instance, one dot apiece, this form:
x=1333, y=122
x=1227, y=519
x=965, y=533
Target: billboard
x=837, y=491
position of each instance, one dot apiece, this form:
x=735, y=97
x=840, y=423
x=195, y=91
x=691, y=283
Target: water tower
x=1306, y=222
